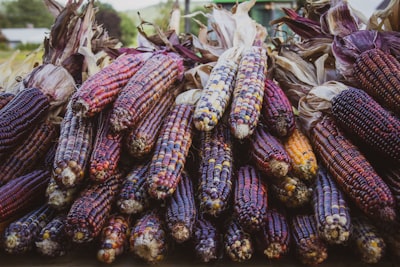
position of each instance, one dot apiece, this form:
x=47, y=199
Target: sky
x=364, y=6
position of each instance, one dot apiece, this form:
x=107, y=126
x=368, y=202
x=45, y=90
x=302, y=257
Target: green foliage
x=20, y=13
x=27, y=46
x=128, y=30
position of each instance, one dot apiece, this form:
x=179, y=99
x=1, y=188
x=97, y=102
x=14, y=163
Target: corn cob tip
x=68, y=177
x=212, y=206
x=47, y=247
x=241, y=250
x=387, y=214
x=372, y=250
x=130, y=206
x=336, y=233
x=205, y=125
x=11, y=241
x=80, y=107
x=180, y=232
x=275, y=250
x=315, y=252
x=106, y=255
x=147, y=248
x=279, y=168
x=241, y=131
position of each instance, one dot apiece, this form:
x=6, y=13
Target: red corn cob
x=19, y=237
x=73, y=151
x=102, y=88
x=106, y=150
x=310, y=249
x=90, y=210
x=250, y=199
x=144, y=90
x=269, y=154
x=171, y=150
x=331, y=210
x=23, y=193
x=248, y=92
x=181, y=210
x=28, y=154
x=238, y=244
x=274, y=238
x=148, y=239
x=19, y=116
x=114, y=238
x=5, y=98
x=290, y=191
x=53, y=240
x=140, y=140
x=352, y=172
x=277, y=112
x=206, y=240
x=133, y=197
x=216, y=170
x=365, y=120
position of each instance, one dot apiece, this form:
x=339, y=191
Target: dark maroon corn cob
x=28, y=154
x=290, y=191
x=367, y=121
x=19, y=237
x=273, y=239
x=114, y=238
x=19, y=116
x=171, y=150
x=379, y=74
x=366, y=239
x=269, y=154
x=133, y=197
x=309, y=247
x=23, y=193
x=5, y=98
x=73, y=151
x=89, y=212
x=206, y=239
x=332, y=212
x=238, y=244
x=59, y=197
x=391, y=176
x=48, y=159
x=216, y=169
x=391, y=235
x=277, y=112
x=53, y=240
x=181, y=211
x=250, y=199
x=145, y=89
x=148, y=238
x=102, y=88
x=140, y=140
x=106, y=151
x=351, y=170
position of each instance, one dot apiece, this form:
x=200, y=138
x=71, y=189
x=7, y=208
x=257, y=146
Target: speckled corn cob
x=206, y=240
x=102, y=88
x=216, y=170
x=73, y=151
x=61, y=198
x=310, y=249
x=19, y=116
x=250, y=199
x=133, y=197
x=19, y=237
x=5, y=98
x=216, y=94
x=269, y=155
x=53, y=240
x=181, y=210
x=238, y=243
x=303, y=160
x=290, y=191
x=367, y=122
x=23, y=193
x=114, y=238
x=248, y=92
x=140, y=140
x=332, y=212
x=277, y=113
x=106, y=151
x=352, y=172
x=27, y=155
x=171, y=150
x=379, y=74
x=145, y=89
x=89, y=212
x=148, y=239
x=367, y=240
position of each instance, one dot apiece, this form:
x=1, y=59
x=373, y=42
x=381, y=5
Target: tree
x=21, y=13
